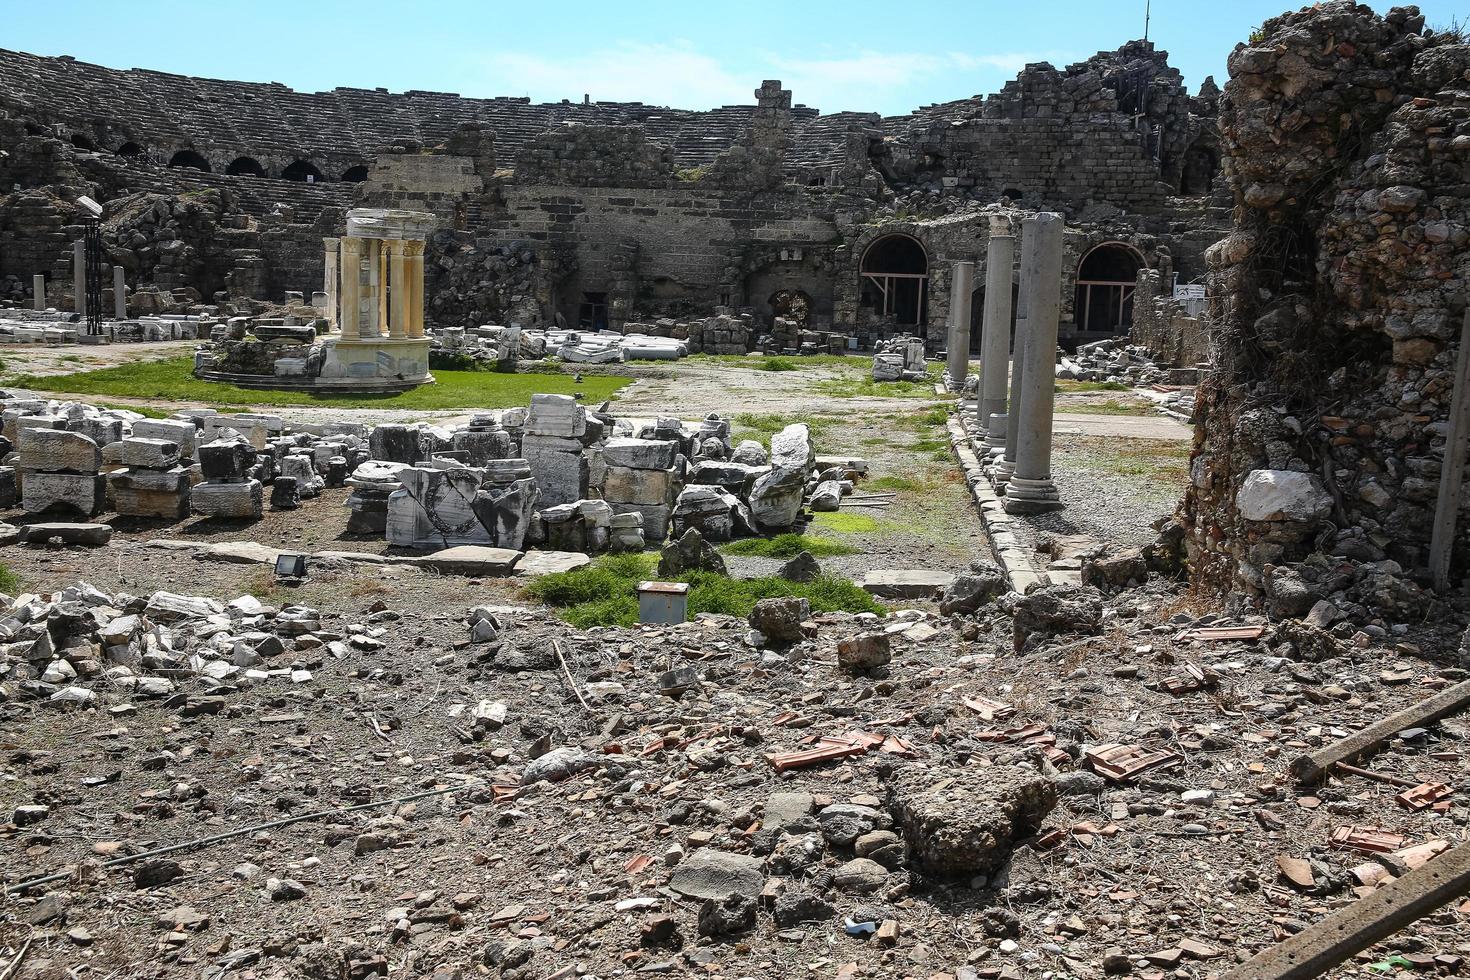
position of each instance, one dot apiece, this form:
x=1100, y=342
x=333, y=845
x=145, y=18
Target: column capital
x=412, y=248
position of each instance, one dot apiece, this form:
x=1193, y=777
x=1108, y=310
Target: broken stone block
x=863, y=652
x=400, y=444
x=706, y=510
x=82, y=493
x=285, y=493
x=827, y=497
x=555, y=415
x=1282, y=495
x=180, y=433
x=716, y=875
x=775, y=499
x=56, y=450
x=972, y=589
x=792, y=449
x=243, y=501
x=85, y=534
x=226, y=459
x=151, y=493
x=640, y=454
x=964, y=822
x=152, y=454
x=558, y=466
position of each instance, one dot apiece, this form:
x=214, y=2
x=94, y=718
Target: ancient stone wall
x=1336, y=305
x=1165, y=326
x=595, y=156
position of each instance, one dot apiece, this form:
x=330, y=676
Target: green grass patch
x=1074, y=386
x=1110, y=407
x=755, y=425
x=9, y=581
x=845, y=523
x=173, y=380
x=930, y=445
x=863, y=386
x=901, y=483
x=605, y=593
x=938, y=415
x=779, y=364
x=789, y=546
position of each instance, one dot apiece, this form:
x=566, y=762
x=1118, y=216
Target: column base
x=1025, y=496
x=1001, y=473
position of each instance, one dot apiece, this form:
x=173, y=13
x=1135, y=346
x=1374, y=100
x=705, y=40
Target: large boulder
x=779, y=620
x=791, y=448
x=964, y=822
x=691, y=552
x=1055, y=610
x=1282, y=495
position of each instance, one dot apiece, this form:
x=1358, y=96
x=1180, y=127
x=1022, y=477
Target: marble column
x=119, y=294
x=413, y=252
x=373, y=313
x=1006, y=460
x=330, y=251
x=995, y=334
x=79, y=277
x=350, y=307
x=1030, y=489
x=397, y=292
x=961, y=286
x=38, y=293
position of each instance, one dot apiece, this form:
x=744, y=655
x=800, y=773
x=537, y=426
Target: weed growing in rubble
x=605, y=593
x=778, y=364
x=9, y=581
x=788, y=546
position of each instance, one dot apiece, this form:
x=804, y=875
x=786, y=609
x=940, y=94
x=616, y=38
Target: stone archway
x=302, y=172
x=190, y=160
x=1106, y=278
x=245, y=167
x=355, y=175
x=895, y=279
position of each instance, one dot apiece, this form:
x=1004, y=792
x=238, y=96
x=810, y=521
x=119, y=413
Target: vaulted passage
x=129, y=149
x=895, y=272
x=355, y=175
x=303, y=172
x=245, y=167
x=190, y=159
x=1105, y=284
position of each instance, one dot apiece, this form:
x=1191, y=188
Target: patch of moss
x=789, y=546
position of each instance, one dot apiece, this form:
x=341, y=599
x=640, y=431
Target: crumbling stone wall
x=595, y=156
x=1336, y=302
x=1163, y=324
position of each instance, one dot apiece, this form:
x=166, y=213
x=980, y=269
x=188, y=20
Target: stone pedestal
x=962, y=286
x=995, y=340
x=119, y=294
x=1030, y=488
x=38, y=293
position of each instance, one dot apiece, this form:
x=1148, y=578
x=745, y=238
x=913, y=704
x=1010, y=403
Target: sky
x=888, y=57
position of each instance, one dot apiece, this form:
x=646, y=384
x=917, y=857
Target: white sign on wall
x=1190, y=291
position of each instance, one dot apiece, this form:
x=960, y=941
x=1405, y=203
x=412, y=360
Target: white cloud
x=681, y=75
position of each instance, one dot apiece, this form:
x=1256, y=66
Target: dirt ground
x=1174, y=874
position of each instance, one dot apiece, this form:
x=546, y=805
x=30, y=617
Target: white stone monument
x=379, y=300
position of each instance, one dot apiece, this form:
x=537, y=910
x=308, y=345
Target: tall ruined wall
x=1336, y=302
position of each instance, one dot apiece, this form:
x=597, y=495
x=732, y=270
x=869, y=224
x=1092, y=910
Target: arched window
x=190, y=159
x=245, y=167
x=1105, y=282
x=129, y=149
x=303, y=172
x=355, y=175
x=895, y=278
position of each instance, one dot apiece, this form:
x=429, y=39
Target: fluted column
x=398, y=291
x=413, y=258
x=330, y=252
x=351, y=298
x=1030, y=489
x=374, y=313
x=995, y=334
x=961, y=288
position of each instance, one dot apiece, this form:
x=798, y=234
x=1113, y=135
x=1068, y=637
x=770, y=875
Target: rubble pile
x=899, y=358
x=81, y=647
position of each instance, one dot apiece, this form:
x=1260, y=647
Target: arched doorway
x=792, y=304
x=245, y=167
x=895, y=280
x=129, y=149
x=977, y=315
x=303, y=172
x=1105, y=282
x=190, y=159
x=355, y=175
